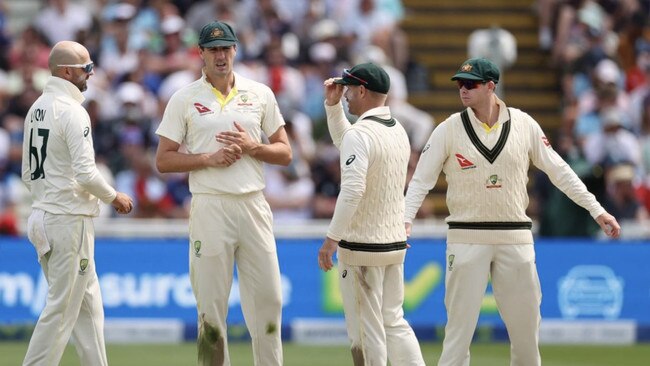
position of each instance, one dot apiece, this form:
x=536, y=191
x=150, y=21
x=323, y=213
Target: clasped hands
x=237, y=143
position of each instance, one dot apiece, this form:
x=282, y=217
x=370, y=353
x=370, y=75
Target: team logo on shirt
x=493, y=182
x=350, y=160
x=243, y=100
x=197, y=248
x=450, y=259
x=202, y=109
x=464, y=163
x=83, y=264
x=545, y=141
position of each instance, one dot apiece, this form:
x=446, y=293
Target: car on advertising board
x=591, y=291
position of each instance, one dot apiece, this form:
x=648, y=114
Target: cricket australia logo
x=83, y=264
x=243, y=100
x=450, y=259
x=493, y=182
x=197, y=248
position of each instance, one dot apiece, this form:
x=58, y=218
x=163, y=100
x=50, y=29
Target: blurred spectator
x=613, y=144
x=369, y=24
x=289, y=192
x=417, y=123
x=144, y=184
x=30, y=47
x=496, y=44
x=558, y=215
x=326, y=174
x=118, y=55
x=61, y=20
x=322, y=65
x=176, y=55
x=620, y=199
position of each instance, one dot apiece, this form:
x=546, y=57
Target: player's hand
x=122, y=203
x=238, y=137
x=609, y=225
x=226, y=156
x=325, y=254
x=333, y=92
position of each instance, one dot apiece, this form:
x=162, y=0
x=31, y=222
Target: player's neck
x=223, y=83
x=487, y=113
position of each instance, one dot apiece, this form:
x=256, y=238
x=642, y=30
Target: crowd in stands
x=145, y=50
x=601, y=49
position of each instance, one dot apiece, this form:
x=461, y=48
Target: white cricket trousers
x=74, y=303
x=372, y=303
x=224, y=230
x=516, y=290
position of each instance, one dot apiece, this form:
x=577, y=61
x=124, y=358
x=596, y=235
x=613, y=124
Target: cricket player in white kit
x=220, y=119
x=485, y=152
x=58, y=168
x=367, y=227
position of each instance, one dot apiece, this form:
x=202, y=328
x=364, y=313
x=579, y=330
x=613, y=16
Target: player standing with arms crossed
x=485, y=152
x=367, y=227
x=230, y=221
x=59, y=170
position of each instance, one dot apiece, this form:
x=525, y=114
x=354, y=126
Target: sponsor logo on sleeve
x=350, y=160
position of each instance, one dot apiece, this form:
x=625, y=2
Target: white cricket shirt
x=194, y=117
x=487, y=173
x=58, y=163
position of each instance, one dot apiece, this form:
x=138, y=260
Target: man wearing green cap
x=485, y=152
x=220, y=120
x=367, y=227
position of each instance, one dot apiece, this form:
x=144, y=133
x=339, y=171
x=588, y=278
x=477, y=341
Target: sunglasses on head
x=346, y=73
x=469, y=84
x=87, y=68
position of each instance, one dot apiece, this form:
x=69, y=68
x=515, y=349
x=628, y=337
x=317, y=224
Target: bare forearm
x=277, y=153
x=174, y=161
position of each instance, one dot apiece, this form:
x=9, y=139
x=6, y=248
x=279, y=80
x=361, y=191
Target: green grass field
x=483, y=354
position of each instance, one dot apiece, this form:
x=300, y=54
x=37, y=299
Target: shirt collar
x=60, y=85
x=382, y=112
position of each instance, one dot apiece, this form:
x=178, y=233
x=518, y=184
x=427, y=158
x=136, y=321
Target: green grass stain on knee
x=271, y=328
x=210, y=344
x=357, y=356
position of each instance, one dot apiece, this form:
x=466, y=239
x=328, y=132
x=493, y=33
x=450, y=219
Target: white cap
x=322, y=52
x=323, y=29
x=172, y=24
x=608, y=71
x=123, y=11
x=130, y=92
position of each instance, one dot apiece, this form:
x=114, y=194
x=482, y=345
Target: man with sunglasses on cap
x=367, y=228
x=59, y=170
x=485, y=152
x=220, y=119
